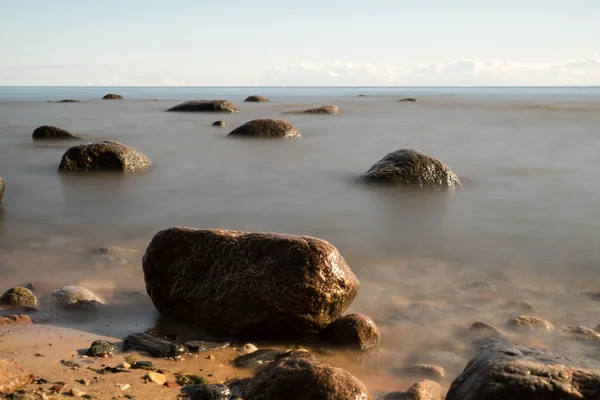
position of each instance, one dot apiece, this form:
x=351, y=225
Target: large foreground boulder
x=315, y=110
x=257, y=99
x=12, y=377
x=505, y=372
x=267, y=128
x=205, y=105
x=304, y=379
x=1, y=190
x=258, y=285
x=52, y=132
x=112, y=96
x=104, y=156
x=413, y=168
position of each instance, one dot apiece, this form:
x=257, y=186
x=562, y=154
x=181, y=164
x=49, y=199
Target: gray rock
x=153, y=345
x=267, y=128
x=207, y=392
x=257, y=358
x=257, y=99
x=423, y=390
x=201, y=346
x=19, y=297
x=112, y=96
x=47, y=132
x=205, y=106
x=240, y=284
x=103, y=156
x=302, y=379
x=315, y=110
x=73, y=295
x=354, y=331
x=528, y=323
x=102, y=348
x=411, y=168
x=427, y=371
x=504, y=372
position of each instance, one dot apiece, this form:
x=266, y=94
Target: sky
x=300, y=43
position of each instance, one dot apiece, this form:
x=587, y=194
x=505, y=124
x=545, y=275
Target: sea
x=525, y=224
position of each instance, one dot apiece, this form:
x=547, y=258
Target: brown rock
x=525, y=322
x=519, y=305
x=112, y=96
x=205, y=105
x=257, y=99
x=103, y=156
x=221, y=124
x=12, y=377
x=261, y=285
x=52, y=132
x=428, y=371
x=315, y=110
x=267, y=128
x=354, y=331
x=19, y=297
x=423, y=390
x=303, y=379
x=172, y=385
x=16, y=320
x=580, y=333
x=412, y=168
x=482, y=330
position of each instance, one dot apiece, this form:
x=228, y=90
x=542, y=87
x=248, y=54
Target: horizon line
x=305, y=86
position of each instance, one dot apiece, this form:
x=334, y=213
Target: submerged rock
x=411, y=168
x=482, y=330
x=580, y=333
x=302, y=379
x=257, y=99
x=505, y=372
x=422, y=390
x=74, y=296
x=114, y=255
x=267, y=128
x=315, y=110
x=354, y=331
x=260, y=285
x=19, y=297
x=102, y=348
x=201, y=346
x=525, y=322
x=257, y=358
x=12, y=377
x=47, y=132
x=408, y=100
x=519, y=305
x=105, y=155
x=68, y=101
x=215, y=391
x=428, y=371
x=205, y=105
x=220, y=124
x=112, y=96
x=153, y=345
x=479, y=285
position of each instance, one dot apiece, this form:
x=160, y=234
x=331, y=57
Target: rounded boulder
x=411, y=168
x=354, y=331
x=104, y=156
x=257, y=285
x=316, y=110
x=19, y=297
x=73, y=295
x=112, y=96
x=47, y=132
x=220, y=124
x=205, y=106
x=266, y=128
x=257, y=99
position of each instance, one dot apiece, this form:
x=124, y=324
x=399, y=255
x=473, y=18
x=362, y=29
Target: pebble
x=211, y=357
x=524, y=322
x=123, y=386
x=172, y=385
x=83, y=381
x=248, y=348
x=257, y=358
x=76, y=392
x=157, y=378
x=125, y=365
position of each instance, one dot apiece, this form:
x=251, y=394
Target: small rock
x=52, y=133
x=428, y=371
x=156, y=347
x=355, y=331
x=102, y=348
x=157, y=378
x=112, y=96
x=267, y=128
x=446, y=359
x=58, y=387
x=580, y=333
x=83, y=382
x=19, y=297
x=123, y=386
x=221, y=124
x=248, y=348
x=296, y=353
x=423, y=390
x=237, y=386
x=76, y=392
x=207, y=392
x=16, y=320
x=172, y=385
x=72, y=296
x=519, y=305
x=482, y=329
x=257, y=358
x=70, y=364
x=201, y=346
x=146, y=365
x=125, y=365
x=104, y=155
x=257, y=99
x=408, y=99
x=211, y=357
x=316, y=110
x=205, y=106
x=525, y=322
x=479, y=285
x=190, y=379
x=12, y=377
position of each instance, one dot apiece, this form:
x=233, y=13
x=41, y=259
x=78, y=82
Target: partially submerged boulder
x=304, y=379
x=408, y=100
x=353, y=331
x=67, y=101
x=315, y=110
x=422, y=390
x=259, y=285
x=69, y=296
x=105, y=155
x=205, y=105
x=47, y=132
x=19, y=297
x=528, y=323
x=12, y=377
x=257, y=99
x=220, y=124
x=266, y=128
x=112, y=96
x=504, y=372
x=411, y=168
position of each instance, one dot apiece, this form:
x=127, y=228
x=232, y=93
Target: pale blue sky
x=265, y=42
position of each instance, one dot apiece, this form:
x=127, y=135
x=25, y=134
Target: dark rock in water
x=580, y=333
x=301, y=379
x=448, y=360
x=267, y=128
x=257, y=358
x=296, y=353
x=428, y=371
x=237, y=386
x=362, y=95
x=105, y=155
x=271, y=285
x=423, y=390
x=67, y=101
x=200, y=346
x=12, y=377
x=205, y=105
x=482, y=329
x=411, y=168
x=19, y=297
x=52, y=132
x=408, y=100
x=525, y=322
x=479, y=285
x=74, y=296
x=257, y=99
x=102, y=348
x=145, y=365
x=504, y=372
x=114, y=255
x=112, y=96
x=592, y=295
x=207, y=392
x=519, y=305
x=354, y=331
x=221, y=124
x=1, y=190
x=152, y=345
x=315, y=110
